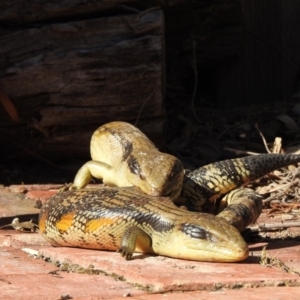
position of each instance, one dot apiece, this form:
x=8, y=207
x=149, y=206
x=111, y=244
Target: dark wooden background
x=68, y=67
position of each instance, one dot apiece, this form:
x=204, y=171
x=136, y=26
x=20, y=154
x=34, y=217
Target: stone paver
x=282, y=293
x=142, y=275
x=262, y=293
x=162, y=274
x=23, y=277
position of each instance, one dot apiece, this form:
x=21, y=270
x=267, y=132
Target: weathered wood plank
x=70, y=66
x=92, y=64
x=24, y=11
x=71, y=77
x=61, y=115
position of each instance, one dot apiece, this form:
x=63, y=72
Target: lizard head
x=157, y=174
x=205, y=238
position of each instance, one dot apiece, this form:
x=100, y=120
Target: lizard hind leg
x=134, y=238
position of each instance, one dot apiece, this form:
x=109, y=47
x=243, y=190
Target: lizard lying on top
x=123, y=156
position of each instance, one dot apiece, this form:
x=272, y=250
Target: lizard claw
x=125, y=253
x=67, y=187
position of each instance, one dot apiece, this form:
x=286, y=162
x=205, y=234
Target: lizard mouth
x=174, y=193
x=156, y=192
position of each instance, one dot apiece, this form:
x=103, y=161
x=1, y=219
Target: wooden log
x=26, y=11
x=88, y=63
x=67, y=76
x=68, y=67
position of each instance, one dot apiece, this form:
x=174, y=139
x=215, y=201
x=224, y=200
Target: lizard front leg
x=134, y=237
x=90, y=169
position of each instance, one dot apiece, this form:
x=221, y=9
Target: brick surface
x=162, y=274
x=143, y=278
x=262, y=293
x=144, y=273
x=23, y=277
x=40, y=195
x=12, y=204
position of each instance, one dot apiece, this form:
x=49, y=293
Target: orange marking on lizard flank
x=93, y=225
x=65, y=222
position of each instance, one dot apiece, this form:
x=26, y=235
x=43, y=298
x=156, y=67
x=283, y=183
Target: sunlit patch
x=65, y=222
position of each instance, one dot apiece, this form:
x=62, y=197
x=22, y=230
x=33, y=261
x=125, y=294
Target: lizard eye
x=195, y=231
x=134, y=166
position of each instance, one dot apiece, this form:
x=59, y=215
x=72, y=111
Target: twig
x=271, y=198
x=274, y=262
x=277, y=145
x=282, y=193
x=285, y=186
x=294, y=176
x=240, y=152
x=267, y=226
x=263, y=138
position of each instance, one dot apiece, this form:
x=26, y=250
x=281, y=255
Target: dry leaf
x=9, y=107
